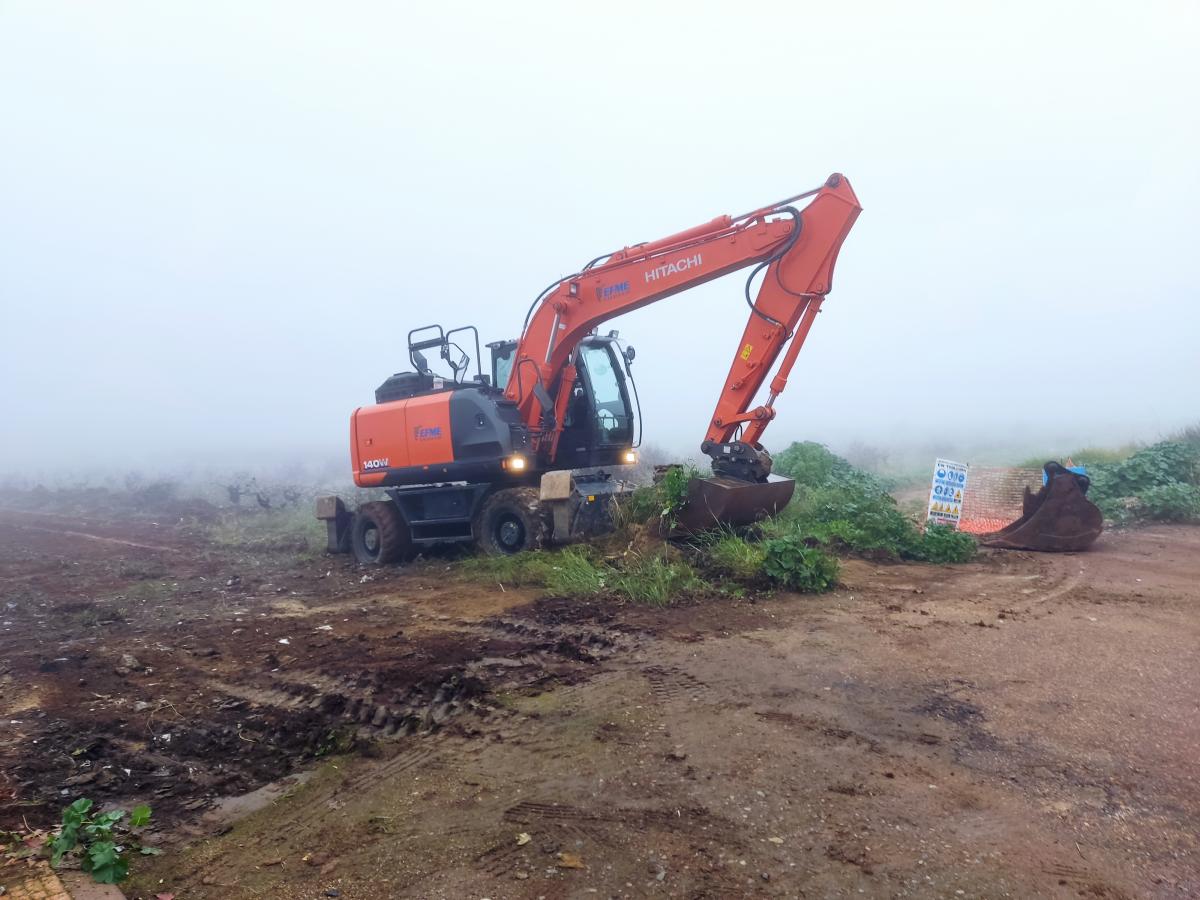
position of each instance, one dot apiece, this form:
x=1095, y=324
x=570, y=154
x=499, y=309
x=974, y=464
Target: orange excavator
x=496, y=458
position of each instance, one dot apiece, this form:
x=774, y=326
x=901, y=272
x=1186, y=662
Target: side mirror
x=630, y=354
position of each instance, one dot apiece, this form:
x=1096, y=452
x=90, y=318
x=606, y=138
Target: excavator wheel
x=379, y=535
x=510, y=521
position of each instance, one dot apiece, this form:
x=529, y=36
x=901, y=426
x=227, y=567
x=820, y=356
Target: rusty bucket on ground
x=732, y=502
x=1057, y=518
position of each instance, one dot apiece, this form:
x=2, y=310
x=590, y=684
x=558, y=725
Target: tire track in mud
x=376, y=707
x=242, y=728
x=670, y=683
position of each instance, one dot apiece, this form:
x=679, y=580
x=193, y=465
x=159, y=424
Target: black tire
x=379, y=535
x=510, y=521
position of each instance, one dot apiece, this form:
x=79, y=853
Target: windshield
x=612, y=408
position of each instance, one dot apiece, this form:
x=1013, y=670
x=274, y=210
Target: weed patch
x=654, y=580
x=518, y=570
x=1088, y=456
x=573, y=573
x=636, y=507
x=293, y=529
x=649, y=578
x=665, y=498
x=792, y=564
x=101, y=842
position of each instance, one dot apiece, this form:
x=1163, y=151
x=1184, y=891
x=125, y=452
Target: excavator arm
x=796, y=248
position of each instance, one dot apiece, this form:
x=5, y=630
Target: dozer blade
x=1059, y=517
x=731, y=501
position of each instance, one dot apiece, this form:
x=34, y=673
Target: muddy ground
x=1022, y=726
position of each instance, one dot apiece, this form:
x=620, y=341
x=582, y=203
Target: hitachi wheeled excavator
x=499, y=458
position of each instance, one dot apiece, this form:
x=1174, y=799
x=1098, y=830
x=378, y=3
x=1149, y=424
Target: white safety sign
x=946, y=495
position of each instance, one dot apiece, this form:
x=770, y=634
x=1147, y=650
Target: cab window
x=502, y=360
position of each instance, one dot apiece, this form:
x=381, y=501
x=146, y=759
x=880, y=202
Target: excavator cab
x=600, y=426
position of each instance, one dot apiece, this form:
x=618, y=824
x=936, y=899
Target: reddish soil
x=1020, y=726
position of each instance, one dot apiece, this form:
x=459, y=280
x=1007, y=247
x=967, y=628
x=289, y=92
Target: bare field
x=1021, y=726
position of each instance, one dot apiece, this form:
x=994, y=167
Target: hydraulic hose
x=791, y=242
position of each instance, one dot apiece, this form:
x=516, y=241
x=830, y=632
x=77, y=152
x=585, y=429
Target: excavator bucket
x=731, y=501
x=1059, y=517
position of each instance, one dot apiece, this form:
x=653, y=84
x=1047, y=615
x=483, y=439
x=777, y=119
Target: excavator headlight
x=629, y=457
x=515, y=463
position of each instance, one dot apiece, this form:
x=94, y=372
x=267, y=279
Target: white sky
x=218, y=221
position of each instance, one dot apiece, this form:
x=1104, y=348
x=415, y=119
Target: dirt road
x=1020, y=726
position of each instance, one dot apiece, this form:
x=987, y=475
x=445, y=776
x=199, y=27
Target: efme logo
x=425, y=433
x=607, y=292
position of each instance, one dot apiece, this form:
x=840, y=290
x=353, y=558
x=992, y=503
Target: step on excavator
x=516, y=458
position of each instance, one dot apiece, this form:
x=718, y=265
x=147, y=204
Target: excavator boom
x=795, y=250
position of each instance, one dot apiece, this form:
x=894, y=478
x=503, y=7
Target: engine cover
x=462, y=434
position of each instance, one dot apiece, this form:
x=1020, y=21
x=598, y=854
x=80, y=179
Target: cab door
x=598, y=425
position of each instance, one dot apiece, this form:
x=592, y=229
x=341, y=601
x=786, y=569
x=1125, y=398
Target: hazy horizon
x=219, y=221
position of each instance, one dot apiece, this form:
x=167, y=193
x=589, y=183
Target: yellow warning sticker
x=746, y=351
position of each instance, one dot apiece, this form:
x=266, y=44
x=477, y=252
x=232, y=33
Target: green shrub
x=789, y=562
x=1175, y=502
x=815, y=465
x=673, y=490
x=942, y=544
x=845, y=508
x=637, y=507
x=1157, y=482
x=861, y=520
x=664, y=498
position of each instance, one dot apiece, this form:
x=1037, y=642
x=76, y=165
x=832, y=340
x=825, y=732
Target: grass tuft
x=654, y=580
x=726, y=554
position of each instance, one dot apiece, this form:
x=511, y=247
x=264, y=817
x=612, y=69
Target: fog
x=218, y=221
